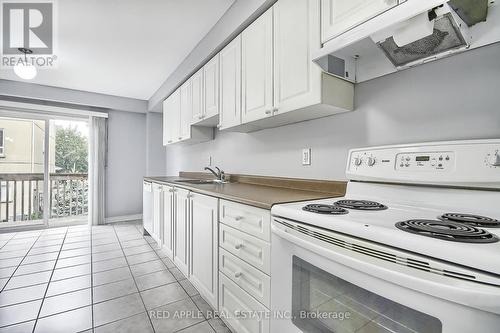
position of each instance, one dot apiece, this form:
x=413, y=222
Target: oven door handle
x=476, y=295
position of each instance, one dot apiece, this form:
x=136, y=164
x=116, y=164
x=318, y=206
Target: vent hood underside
x=378, y=54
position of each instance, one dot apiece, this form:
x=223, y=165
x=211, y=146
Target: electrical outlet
x=306, y=156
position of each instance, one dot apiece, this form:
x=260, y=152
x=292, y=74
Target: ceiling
x=124, y=47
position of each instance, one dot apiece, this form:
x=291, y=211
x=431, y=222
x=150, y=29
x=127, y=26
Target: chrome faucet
x=219, y=174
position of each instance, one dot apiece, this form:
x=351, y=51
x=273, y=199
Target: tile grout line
x=48, y=284
x=135, y=282
x=17, y=267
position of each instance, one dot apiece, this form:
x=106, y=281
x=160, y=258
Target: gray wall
x=454, y=98
x=155, y=151
x=126, y=163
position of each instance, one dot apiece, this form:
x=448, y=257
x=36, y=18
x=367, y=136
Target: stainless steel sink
x=199, y=181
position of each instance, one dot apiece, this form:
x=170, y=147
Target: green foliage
x=71, y=151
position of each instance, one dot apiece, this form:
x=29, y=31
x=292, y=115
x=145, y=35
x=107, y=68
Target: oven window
x=322, y=302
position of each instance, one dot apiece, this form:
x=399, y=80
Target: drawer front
x=252, y=220
x=254, y=251
x=247, y=277
x=235, y=304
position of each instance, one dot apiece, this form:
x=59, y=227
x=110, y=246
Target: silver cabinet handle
x=200, y=116
x=238, y=246
x=169, y=141
x=268, y=111
x=237, y=274
x=275, y=110
x=180, y=138
x=238, y=218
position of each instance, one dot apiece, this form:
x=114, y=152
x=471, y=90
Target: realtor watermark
x=251, y=315
x=30, y=26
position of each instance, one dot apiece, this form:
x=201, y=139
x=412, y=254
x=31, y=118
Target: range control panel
x=472, y=163
x=444, y=161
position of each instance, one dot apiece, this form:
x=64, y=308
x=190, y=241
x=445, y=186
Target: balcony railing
x=21, y=196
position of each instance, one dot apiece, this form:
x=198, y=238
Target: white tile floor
x=101, y=279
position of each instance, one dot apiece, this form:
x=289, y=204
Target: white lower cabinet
x=147, y=206
x=204, y=245
x=156, y=231
x=249, y=248
x=181, y=227
x=250, y=279
x=168, y=221
x=222, y=247
x=239, y=308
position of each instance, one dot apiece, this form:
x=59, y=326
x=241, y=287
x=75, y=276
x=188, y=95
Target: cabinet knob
x=268, y=111
x=238, y=246
x=200, y=116
x=169, y=141
x=275, y=110
x=180, y=138
x=238, y=218
x=237, y=274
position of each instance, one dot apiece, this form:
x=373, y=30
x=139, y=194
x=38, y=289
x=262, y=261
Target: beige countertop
x=259, y=191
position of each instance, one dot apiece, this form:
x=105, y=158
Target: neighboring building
x=22, y=146
x=22, y=152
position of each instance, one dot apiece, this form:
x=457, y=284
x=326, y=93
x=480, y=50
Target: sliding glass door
x=43, y=170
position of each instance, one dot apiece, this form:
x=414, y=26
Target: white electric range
x=412, y=247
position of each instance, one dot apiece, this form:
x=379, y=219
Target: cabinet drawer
x=236, y=304
x=247, y=277
x=252, y=220
x=254, y=251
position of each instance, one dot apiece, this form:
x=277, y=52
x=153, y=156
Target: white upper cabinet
x=338, y=16
x=185, y=111
x=197, y=96
x=257, y=69
x=204, y=245
x=230, y=85
x=297, y=81
x=211, y=88
x=171, y=120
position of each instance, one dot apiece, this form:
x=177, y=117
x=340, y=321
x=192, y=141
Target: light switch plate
x=306, y=156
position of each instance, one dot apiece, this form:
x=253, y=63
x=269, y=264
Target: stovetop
x=389, y=225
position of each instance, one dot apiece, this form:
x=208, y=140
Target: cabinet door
x=185, y=111
x=168, y=221
x=157, y=212
x=338, y=16
x=147, y=206
x=181, y=253
x=297, y=80
x=197, y=96
x=211, y=87
x=230, y=84
x=257, y=69
x=204, y=244
x=171, y=114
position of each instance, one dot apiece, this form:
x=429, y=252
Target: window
x=1, y=143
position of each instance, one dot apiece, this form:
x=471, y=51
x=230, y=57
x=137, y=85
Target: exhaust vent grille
x=446, y=36
x=375, y=253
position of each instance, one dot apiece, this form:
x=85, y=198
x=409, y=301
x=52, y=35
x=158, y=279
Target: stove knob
x=494, y=159
x=358, y=161
x=371, y=161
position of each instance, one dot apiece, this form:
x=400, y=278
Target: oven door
x=315, y=288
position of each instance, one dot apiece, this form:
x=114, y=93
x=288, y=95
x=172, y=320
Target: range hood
x=396, y=40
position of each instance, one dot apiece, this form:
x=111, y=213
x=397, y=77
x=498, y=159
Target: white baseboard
x=123, y=218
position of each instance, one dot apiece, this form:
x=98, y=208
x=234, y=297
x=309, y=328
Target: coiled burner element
x=446, y=230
